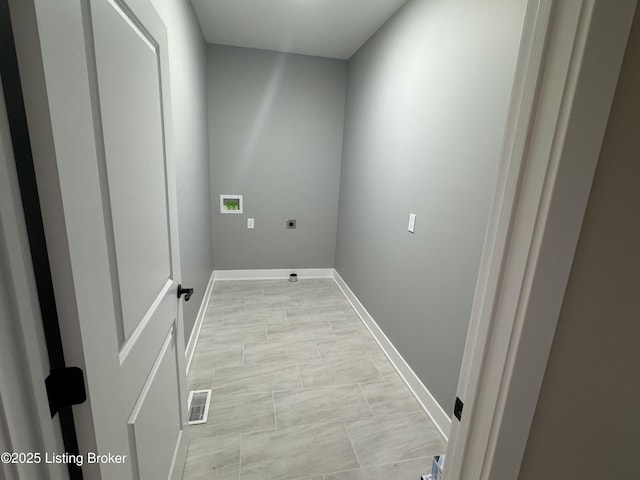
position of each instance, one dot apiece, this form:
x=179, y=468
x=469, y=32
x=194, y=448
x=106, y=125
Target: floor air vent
x=199, y=406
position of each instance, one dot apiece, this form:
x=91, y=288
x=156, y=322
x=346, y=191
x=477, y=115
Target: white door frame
x=565, y=80
x=25, y=422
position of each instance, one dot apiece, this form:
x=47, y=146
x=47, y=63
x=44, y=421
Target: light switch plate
x=412, y=222
x=250, y=222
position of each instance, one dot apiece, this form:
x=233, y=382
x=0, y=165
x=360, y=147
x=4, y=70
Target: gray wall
x=426, y=105
x=187, y=62
x=587, y=417
x=275, y=131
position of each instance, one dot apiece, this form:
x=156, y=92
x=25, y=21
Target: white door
x=95, y=82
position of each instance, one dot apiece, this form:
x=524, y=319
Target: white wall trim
x=272, y=273
x=195, y=332
x=25, y=421
x=422, y=394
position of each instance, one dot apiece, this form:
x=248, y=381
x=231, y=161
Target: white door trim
x=25, y=422
x=566, y=76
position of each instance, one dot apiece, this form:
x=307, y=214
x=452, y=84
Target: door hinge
x=457, y=409
x=65, y=387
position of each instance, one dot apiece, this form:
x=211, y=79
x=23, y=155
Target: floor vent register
x=199, y=406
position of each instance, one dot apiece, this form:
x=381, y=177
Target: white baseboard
x=195, y=332
x=272, y=274
x=428, y=402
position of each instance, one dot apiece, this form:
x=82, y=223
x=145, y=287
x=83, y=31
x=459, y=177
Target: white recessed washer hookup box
x=230, y=203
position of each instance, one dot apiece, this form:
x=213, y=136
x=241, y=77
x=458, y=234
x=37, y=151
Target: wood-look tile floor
x=300, y=391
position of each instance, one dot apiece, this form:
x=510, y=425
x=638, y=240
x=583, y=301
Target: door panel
x=139, y=354
x=128, y=78
x=154, y=441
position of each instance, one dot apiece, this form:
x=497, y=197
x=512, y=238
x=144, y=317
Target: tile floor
x=300, y=391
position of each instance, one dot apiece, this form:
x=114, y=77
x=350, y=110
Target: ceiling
x=325, y=28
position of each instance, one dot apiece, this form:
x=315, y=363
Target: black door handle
x=187, y=292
